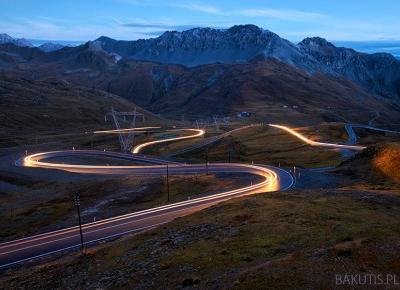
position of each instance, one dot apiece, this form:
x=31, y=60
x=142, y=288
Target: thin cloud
x=200, y=8
x=35, y=29
x=151, y=33
x=163, y=26
x=283, y=14
x=326, y=26
x=168, y=24
x=291, y=15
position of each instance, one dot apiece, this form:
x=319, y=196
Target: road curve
x=208, y=141
x=125, y=131
x=16, y=251
x=196, y=133
x=353, y=137
x=315, y=143
x=44, y=244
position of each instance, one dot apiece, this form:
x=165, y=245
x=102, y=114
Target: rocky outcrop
x=379, y=73
x=5, y=38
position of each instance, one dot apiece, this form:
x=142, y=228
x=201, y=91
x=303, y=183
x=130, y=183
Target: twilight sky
x=132, y=19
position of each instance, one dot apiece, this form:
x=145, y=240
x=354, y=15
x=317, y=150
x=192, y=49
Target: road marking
x=35, y=160
x=78, y=245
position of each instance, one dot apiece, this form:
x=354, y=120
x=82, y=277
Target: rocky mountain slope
x=199, y=46
x=210, y=71
x=5, y=38
x=379, y=73
x=49, y=46
x=22, y=42
x=264, y=86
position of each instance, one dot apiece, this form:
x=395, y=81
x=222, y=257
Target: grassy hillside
x=267, y=145
x=296, y=240
x=39, y=109
x=30, y=204
x=376, y=164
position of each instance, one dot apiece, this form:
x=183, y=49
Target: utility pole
x=167, y=183
x=78, y=203
x=207, y=160
x=216, y=122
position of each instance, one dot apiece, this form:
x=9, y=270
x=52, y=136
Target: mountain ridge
x=106, y=63
x=22, y=42
x=5, y=38
x=379, y=73
x=198, y=46
x=50, y=46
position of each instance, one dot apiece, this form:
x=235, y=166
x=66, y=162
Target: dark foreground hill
x=289, y=240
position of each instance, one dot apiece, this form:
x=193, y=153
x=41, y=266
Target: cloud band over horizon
x=133, y=19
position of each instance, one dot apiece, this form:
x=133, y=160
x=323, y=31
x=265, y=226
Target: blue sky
x=132, y=19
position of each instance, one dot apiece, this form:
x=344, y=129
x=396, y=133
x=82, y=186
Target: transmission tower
x=125, y=139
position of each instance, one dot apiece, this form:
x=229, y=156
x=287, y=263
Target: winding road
x=272, y=179
x=353, y=137
x=196, y=133
x=315, y=143
x=348, y=149
x=208, y=141
x=29, y=248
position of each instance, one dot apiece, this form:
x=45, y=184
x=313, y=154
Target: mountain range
x=5, y=38
x=378, y=73
x=241, y=67
x=22, y=42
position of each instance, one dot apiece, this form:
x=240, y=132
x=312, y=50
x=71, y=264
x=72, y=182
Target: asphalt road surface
x=273, y=179
x=66, y=239
x=315, y=143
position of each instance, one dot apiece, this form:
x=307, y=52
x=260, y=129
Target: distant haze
x=392, y=47
x=38, y=42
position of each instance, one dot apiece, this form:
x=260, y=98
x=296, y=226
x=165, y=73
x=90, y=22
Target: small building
x=244, y=114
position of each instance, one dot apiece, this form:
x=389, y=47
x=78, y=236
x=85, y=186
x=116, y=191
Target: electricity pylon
x=125, y=139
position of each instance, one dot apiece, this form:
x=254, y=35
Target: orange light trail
x=119, y=131
x=315, y=143
x=198, y=133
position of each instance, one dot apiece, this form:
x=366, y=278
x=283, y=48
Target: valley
x=204, y=158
